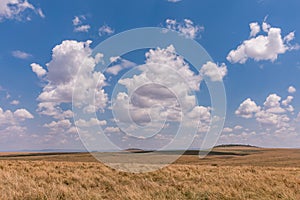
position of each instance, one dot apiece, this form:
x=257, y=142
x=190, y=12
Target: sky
x=46, y=46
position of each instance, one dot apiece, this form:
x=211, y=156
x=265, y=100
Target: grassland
x=227, y=173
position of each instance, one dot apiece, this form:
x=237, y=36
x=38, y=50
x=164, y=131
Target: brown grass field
x=227, y=173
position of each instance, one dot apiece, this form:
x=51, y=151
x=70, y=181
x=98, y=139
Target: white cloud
x=105, y=30
x=291, y=90
x=53, y=109
x=21, y=54
x=111, y=129
x=63, y=70
x=77, y=20
x=72, y=130
x=262, y=47
x=160, y=64
x=82, y=28
x=62, y=123
x=266, y=117
x=174, y=1
x=60, y=126
x=273, y=100
x=6, y=117
x=276, y=125
x=255, y=29
x=12, y=124
x=165, y=94
x=298, y=117
x=287, y=101
x=289, y=37
x=247, y=109
x=186, y=28
x=78, y=24
x=119, y=66
x=290, y=108
x=266, y=27
x=40, y=13
x=91, y=122
x=114, y=59
x=200, y=113
x=238, y=127
x=276, y=110
x=227, y=130
x=272, y=104
x=23, y=114
x=213, y=71
x=10, y=118
x=15, y=102
x=14, y=9
x=38, y=70
x=271, y=114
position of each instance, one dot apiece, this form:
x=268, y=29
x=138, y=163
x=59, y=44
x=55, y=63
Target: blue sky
x=30, y=30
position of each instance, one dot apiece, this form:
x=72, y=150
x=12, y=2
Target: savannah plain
x=234, y=172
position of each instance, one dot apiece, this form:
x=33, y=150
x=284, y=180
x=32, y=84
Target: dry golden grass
x=52, y=179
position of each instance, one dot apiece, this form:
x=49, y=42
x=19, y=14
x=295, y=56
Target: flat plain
x=234, y=172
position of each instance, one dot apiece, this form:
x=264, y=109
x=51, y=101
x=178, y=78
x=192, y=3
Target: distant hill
x=52, y=150
x=137, y=150
x=235, y=145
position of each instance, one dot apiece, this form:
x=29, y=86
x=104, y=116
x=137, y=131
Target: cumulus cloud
x=238, y=127
x=62, y=72
x=23, y=114
x=15, y=102
x=111, y=129
x=11, y=127
x=227, y=130
x=60, y=126
x=273, y=100
x=213, y=71
x=200, y=113
x=14, y=9
x=291, y=90
x=255, y=29
x=78, y=20
x=287, y=101
x=266, y=117
x=119, y=65
x=265, y=26
x=90, y=123
x=78, y=24
x=165, y=95
x=82, y=28
x=38, y=70
x=163, y=62
x=185, y=28
x=290, y=109
x=289, y=37
x=11, y=121
x=21, y=54
x=105, y=30
x=11, y=118
x=247, y=109
x=273, y=112
x=272, y=104
x=264, y=46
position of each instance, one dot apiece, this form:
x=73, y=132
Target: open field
x=227, y=173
